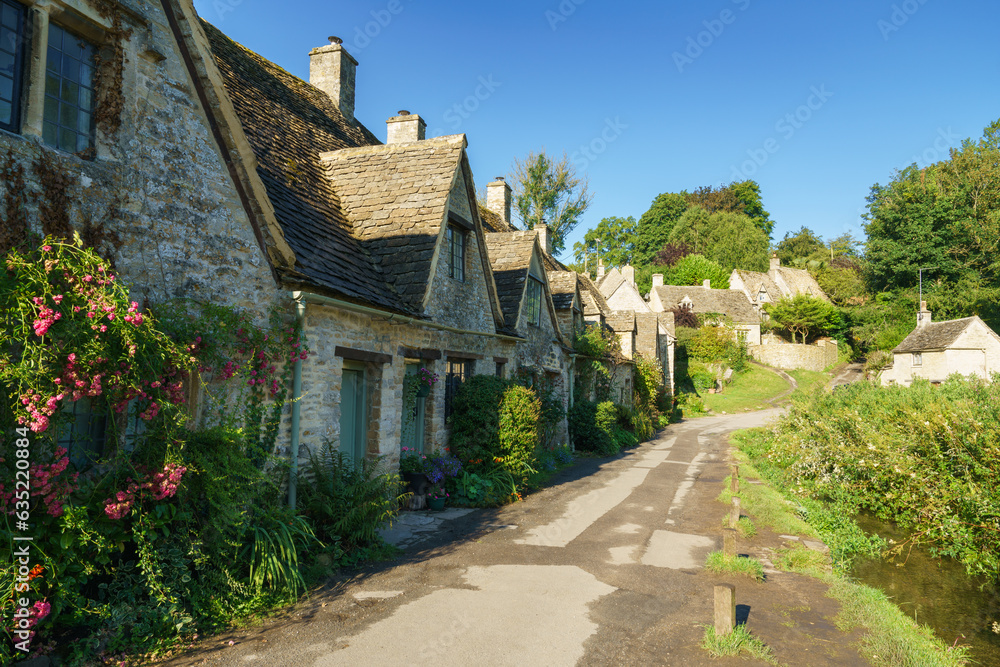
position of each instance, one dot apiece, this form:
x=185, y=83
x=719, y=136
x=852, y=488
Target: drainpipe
x=293, y=473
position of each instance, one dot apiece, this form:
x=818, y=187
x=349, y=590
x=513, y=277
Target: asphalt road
x=603, y=567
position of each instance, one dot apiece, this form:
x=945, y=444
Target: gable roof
x=288, y=124
x=621, y=320
x=510, y=257
x=562, y=284
x=492, y=222
x=733, y=303
x=799, y=281
x=394, y=198
x=594, y=302
x=936, y=335
x=754, y=280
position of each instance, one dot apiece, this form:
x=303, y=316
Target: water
x=936, y=592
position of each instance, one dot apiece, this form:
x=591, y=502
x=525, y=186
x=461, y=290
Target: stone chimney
x=706, y=283
x=405, y=127
x=775, y=262
x=332, y=69
x=600, y=268
x=544, y=238
x=628, y=273
x=657, y=280
x=498, y=198
x=924, y=316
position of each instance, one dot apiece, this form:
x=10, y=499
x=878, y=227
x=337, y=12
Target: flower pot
x=424, y=391
x=436, y=504
x=417, y=482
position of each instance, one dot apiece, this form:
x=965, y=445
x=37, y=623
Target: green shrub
x=493, y=419
x=587, y=432
x=701, y=376
x=636, y=421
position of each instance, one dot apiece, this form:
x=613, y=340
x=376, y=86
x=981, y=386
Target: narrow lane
x=602, y=569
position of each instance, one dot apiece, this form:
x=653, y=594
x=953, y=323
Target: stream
x=936, y=592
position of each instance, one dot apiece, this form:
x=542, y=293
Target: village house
x=780, y=282
x=705, y=301
x=935, y=350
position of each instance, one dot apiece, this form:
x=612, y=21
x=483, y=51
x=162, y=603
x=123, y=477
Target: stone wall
x=790, y=357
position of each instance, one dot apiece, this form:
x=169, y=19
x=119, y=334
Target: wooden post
x=735, y=480
x=734, y=514
x=729, y=541
x=725, y=609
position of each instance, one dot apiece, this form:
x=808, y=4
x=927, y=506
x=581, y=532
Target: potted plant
x=413, y=470
x=437, y=497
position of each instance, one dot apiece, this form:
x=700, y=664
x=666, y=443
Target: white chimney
x=600, y=268
x=924, y=316
x=332, y=69
x=775, y=262
x=628, y=273
x=404, y=128
x=707, y=284
x=544, y=238
x=498, y=198
x=657, y=280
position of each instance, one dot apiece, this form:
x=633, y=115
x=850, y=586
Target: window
x=762, y=295
x=918, y=359
x=455, y=239
x=68, y=122
x=456, y=372
x=353, y=411
x=533, y=301
x=414, y=411
x=84, y=434
x=11, y=57
x=500, y=368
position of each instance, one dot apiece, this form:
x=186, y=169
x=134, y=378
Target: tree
x=737, y=197
x=613, y=240
x=656, y=224
x=800, y=245
x=731, y=240
x=805, y=315
x=694, y=269
x=549, y=192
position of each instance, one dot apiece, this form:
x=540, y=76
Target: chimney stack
x=924, y=316
x=332, y=69
x=544, y=238
x=657, y=280
x=404, y=128
x=775, y=262
x=600, y=268
x=706, y=283
x=498, y=198
x=628, y=272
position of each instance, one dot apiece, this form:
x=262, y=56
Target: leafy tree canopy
x=731, y=240
x=807, y=316
x=613, y=240
x=655, y=225
x=549, y=192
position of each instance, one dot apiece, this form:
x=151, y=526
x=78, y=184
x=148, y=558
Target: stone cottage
x=780, y=282
x=935, y=350
x=707, y=301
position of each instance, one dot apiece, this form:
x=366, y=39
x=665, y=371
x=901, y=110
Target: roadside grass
x=736, y=642
x=718, y=561
x=809, y=382
x=891, y=637
x=745, y=527
x=747, y=391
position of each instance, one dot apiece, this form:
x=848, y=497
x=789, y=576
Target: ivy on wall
x=109, y=71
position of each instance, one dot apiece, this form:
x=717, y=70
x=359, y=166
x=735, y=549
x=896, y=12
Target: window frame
x=456, y=371
x=17, y=78
x=533, y=302
x=60, y=104
x=917, y=359
x=455, y=238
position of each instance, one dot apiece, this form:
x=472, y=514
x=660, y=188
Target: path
x=603, y=567
x=847, y=374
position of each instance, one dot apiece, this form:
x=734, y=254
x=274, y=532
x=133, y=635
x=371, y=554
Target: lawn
x=808, y=381
x=748, y=391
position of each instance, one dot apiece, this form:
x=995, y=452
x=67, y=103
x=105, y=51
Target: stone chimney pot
x=404, y=128
x=498, y=198
x=707, y=284
x=544, y=238
x=333, y=70
x=924, y=316
x=600, y=268
x=628, y=273
x=657, y=280
x=775, y=262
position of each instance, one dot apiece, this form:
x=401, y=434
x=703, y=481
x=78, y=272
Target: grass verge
x=891, y=637
x=718, y=561
x=808, y=381
x=735, y=643
x=747, y=391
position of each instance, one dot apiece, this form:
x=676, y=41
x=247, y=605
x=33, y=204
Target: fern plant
x=348, y=502
x=274, y=553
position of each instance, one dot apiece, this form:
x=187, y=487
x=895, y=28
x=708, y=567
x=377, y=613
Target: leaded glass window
x=11, y=54
x=69, y=92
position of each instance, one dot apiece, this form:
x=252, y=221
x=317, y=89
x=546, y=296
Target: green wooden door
x=414, y=410
x=353, y=425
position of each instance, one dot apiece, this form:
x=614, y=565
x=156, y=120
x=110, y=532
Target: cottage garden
x=150, y=525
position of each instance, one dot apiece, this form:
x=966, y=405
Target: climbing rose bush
x=71, y=332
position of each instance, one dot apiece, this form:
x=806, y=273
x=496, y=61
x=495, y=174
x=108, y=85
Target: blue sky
x=816, y=101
